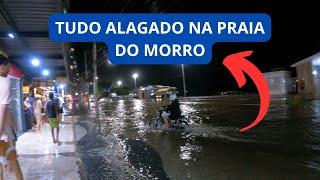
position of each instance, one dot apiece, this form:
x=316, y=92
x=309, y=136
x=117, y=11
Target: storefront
x=15, y=77
x=42, y=86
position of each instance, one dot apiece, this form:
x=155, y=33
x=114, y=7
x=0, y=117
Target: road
x=120, y=145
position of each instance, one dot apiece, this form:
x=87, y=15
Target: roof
x=166, y=89
x=27, y=20
x=306, y=60
x=157, y=88
x=276, y=73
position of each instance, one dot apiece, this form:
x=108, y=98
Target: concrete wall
x=317, y=84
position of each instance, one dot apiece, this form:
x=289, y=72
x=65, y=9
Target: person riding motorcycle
x=172, y=111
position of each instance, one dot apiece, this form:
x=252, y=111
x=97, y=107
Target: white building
x=308, y=72
x=158, y=92
x=279, y=82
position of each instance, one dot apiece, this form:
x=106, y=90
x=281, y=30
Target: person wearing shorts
x=54, y=122
x=53, y=114
x=8, y=154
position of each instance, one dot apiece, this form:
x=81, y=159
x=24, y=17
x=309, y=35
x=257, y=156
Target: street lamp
x=45, y=72
x=35, y=62
x=11, y=35
x=135, y=76
x=184, y=81
x=119, y=83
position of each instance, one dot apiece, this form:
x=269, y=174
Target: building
x=279, y=82
x=308, y=75
x=158, y=92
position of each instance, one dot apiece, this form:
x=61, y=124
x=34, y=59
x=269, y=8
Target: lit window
x=316, y=62
x=315, y=72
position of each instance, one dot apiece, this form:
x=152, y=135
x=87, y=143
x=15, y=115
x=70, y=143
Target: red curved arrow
x=238, y=65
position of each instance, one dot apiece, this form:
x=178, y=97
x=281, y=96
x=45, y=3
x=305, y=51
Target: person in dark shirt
x=173, y=110
x=53, y=114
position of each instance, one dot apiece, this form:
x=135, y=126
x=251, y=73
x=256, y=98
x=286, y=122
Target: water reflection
x=288, y=137
x=190, y=111
x=187, y=150
x=138, y=116
x=117, y=117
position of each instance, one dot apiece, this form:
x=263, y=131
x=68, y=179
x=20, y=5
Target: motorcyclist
x=172, y=111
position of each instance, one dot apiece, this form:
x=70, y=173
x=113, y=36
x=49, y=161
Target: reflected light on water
x=118, y=120
x=138, y=115
x=294, y=129
x=187, y=150
x=189, y=111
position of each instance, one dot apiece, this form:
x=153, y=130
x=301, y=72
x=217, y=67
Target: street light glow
x=61, y=86
x=135, y=76
x=11, y=35
x=35, y=62
x=45, y=72
x=119, y=83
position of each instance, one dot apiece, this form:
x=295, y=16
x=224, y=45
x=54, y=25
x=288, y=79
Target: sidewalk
x=41, y=159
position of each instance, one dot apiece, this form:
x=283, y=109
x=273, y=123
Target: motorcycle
x=180, y=124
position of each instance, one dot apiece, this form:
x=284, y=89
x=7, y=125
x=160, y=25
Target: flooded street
x=120, y=145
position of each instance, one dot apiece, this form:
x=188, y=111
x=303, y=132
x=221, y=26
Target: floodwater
x=286, y=145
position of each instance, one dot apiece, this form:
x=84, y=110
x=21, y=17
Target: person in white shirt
x=8, y=154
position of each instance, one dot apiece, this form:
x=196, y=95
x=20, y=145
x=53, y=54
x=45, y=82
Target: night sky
x=294, y=37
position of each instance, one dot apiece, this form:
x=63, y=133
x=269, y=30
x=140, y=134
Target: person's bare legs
x=3, y=147
x=13, y=165
x=1, y=172
x=38, y=123
x=58, y=135
x=166, y=122
x=52, y=133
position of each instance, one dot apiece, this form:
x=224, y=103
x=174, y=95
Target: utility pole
x=87, y=75
x=184, y=81
x=95, y=74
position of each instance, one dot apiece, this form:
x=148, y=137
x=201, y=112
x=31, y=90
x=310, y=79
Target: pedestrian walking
x=53, y=113
x=8, y=154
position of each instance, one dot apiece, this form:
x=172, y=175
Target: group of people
x=34, y=111
x=42, y=109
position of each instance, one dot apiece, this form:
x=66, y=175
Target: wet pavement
x=120, y=145
x=40, y=159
